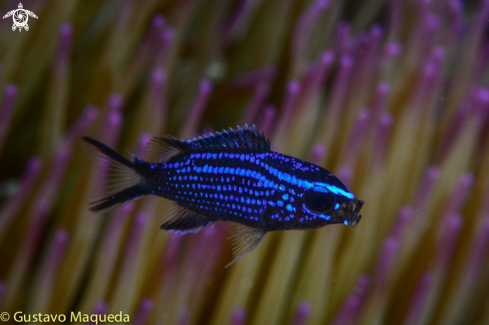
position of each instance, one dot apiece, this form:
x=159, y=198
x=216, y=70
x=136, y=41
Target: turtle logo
x=20, y=17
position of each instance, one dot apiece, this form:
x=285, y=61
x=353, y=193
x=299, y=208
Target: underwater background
x=390, y=96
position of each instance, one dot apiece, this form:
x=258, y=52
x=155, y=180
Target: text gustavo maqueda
x=73, y=317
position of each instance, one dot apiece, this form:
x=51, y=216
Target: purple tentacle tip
x=318, y=153
x=448, y=240
x=64, y=42
x=116, y=102
x=383, y=88
x=455, y=222
x=393, y=49
x=66, y=29
x=419, y=299
x=205, y=86
x=293, y=87
x=115, y=118
x=385, y=263
x=100, y=308
x=432, y=22
x=62, y=237
x=143, y=312
x=353, y=304
x=346, y=62
x=11, y=90
x=34, y=164
x=404, y=215
x=363, y=284
x=91, y=113
x=302, y=313
x=143, y=140
x=386, y=120
x=433, y=172
x=158, y=21
x=239, y=316
x=168, y=35
x=439, y=54
x=158, y=76
x=269, y=113
x=327, y=58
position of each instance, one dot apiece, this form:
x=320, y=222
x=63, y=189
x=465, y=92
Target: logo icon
x=20, y=17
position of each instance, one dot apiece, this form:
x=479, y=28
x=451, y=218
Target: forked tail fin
x=123, y=181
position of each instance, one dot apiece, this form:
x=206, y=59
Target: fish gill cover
x=390, y=96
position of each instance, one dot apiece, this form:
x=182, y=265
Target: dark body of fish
x=230, y=176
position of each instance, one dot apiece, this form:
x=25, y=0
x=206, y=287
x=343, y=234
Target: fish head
x=330, y=202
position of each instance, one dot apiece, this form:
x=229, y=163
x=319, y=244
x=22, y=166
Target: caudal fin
x=123, y=182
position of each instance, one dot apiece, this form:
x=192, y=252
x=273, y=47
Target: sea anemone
x=391, y=96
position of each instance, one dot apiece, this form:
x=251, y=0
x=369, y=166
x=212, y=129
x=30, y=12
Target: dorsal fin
x=163, y=148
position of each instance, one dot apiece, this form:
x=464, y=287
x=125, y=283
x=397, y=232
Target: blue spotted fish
x=231, y=176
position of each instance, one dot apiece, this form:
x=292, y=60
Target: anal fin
x=176, y=219
x=245, y=239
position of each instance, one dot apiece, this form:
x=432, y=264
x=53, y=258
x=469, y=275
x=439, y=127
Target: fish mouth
x=352, y=212
x=347, y=214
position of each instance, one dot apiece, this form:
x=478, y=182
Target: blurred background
x=391, y=96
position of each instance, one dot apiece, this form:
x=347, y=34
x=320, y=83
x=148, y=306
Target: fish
x=232, y=176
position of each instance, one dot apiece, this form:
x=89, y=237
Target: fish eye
x=319, y=200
